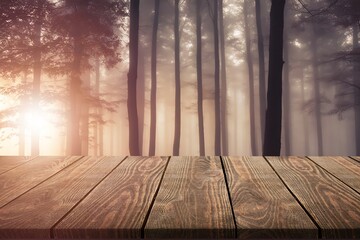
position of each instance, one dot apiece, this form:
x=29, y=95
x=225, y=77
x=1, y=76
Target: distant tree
x=176, y=146
x=249, y=60
x=200, y=110
x=132, y=77
x=215, y=19
x=224, y=119
x=261, y=53
x=272, y=140
x=154, y=79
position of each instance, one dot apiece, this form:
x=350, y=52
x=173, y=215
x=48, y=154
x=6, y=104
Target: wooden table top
x=179, y=197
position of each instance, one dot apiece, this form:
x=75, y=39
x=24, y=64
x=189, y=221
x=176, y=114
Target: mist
x=201, y=84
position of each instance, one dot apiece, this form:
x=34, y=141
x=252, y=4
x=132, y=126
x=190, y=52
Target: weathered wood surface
x=192, y=201
x=10, y=162
x=118, y=206
x=344, y=168
x=34, y=213
x=180, y=197
x=263, y=207
x=17, y=181
x=333, y=205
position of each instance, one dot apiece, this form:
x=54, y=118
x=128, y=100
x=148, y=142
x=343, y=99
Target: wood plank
x=9, y=162
x=344, y=168
x=263, y=206
x=331, y=203
x=118, y=206
x=192, y=202
x=357, y=158
x=17, y=181
x=33, y=214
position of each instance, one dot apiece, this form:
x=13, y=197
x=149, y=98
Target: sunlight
x=36, y=120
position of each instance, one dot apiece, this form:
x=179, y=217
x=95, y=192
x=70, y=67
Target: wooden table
x=179, y=197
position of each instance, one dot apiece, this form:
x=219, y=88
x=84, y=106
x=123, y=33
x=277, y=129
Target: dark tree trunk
x=249, y=60
x=217, y=80
x=286, y=93
x=262, y=82
x=272, y=140
x=317, y=99
x=141, y=96
x=23, y=102
x=153, y=80
x=199, y=78
x=356, y=81
x=132, y=78
x=37, y=75
x=176, y=145
x=224, y=123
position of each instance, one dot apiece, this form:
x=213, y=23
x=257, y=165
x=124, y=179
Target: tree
x=153, y=79
x=272, y=140
x=262, y=83
x=249, y=60
x=217, y=78
x=176, y=145
x=224, y=125
x=200, y=110
x=132, y=78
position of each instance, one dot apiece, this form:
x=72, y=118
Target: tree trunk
x=176, y=145
x=132, y=78
x=217, y=81
x=224, y=123
x=85, y=115
x=154, y=80
x=199, y=79
x=317, y=99
x=272, y=140
x=249, y=60
x=262, y=82
x=305, y=119
x=286, y=92
x=23, y=102
x=356, y=71
x=141, y=96
x=36, y=77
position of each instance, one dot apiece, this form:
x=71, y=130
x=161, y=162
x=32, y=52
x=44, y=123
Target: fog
x=64, y=71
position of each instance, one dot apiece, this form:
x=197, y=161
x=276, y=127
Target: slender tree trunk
x=305, y=119
x=141, y=96
x=35, y=148
x=154, y=80
x=224, y=122
x=176, y=145
x=356, y=71
x=85, y=115
x=316, y=80
x=262, y=82
x=286, y=92
x=132, y=78
x=249, y=60
x=199, y=78
x=217, y=80
x=272, y=140
x=98, y=109
x=22, y=116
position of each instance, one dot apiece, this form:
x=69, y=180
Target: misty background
x=64, y=66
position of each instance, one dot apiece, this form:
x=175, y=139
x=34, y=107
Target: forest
x=179, y=77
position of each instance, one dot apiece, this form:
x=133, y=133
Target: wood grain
x=33, y=214
x=356, y=158
x=26, y=176
x=331, y=203
x=9, y=162
x=344, y=168
x=118, y=206
x=192, y=201
x=263, y=206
